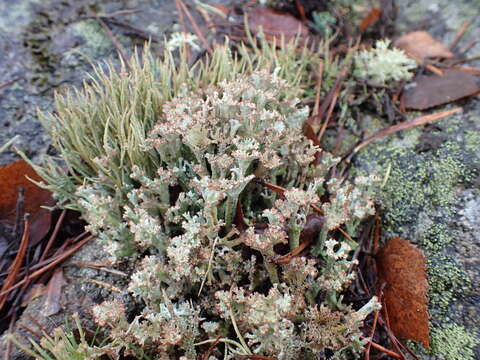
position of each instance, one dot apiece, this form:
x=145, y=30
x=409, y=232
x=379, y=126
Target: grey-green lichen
x=161, y=157
x=382, y=65
x=454, y=342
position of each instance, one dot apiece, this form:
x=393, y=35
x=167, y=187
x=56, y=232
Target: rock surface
x=431, y=194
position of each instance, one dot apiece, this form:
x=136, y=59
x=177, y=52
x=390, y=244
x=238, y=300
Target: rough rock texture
x=49, y=45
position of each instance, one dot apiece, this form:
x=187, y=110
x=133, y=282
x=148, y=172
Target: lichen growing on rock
x=420, y=202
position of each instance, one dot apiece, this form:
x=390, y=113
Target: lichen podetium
x=160, y=158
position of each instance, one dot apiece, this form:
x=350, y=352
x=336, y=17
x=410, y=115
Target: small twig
x=463, y=61
x=207, y=18
x=460, y=34
x=104, y=285
x=422, y=120
x=19, y=213
x=16, y=265
x=130, y=30
x=328, y=99
x=9, y=82
x=122, y=12
x=54, y=235
x=329, y=114
x=386, y=351
x=427, y=66
x=374, y=326
x=31, y=331
x=467, y=47
x=470, y=69
x=301, y=10
x=197, y=30
x=210, y=349
x=319, y=89
x=285, y=259
x=115, y=41
x=97, y=266
x=58, y=260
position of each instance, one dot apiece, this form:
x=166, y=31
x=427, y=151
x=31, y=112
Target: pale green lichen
x=447, y=282
x=382, y=65
x=161, y=156
x=453, y=342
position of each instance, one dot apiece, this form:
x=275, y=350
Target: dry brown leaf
x=12, y=177
x=401, y=266
x=433, y=90
x=275, y=24
x=54, y=293
x=422, y=45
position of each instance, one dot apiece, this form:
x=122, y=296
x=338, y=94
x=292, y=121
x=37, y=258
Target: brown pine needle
x=422, y=120
x=197, y=30
x=285, y=259
x=16, y=265
x=58, y=260
x=53, y=236
x=386, y=351
x=460, y=34
x=115, y=42
x=319, y=89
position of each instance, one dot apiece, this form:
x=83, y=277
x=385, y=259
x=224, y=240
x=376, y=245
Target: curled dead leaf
x=401, y=266
x=420, y=44
x=275, y=24
x=434, y=90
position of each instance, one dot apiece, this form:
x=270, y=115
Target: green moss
x=453, y=342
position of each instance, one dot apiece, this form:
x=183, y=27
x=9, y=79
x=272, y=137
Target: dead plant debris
x=422, y=45
x=401, y=266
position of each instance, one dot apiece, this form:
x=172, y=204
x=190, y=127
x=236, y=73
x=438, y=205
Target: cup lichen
x=161, y=158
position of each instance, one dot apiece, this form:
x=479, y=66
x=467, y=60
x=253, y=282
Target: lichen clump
x=382, y=65
x=228, y=187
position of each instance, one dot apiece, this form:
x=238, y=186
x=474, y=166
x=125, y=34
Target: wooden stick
x=61, y=258
x=319, y=89
x=54, y=235
x=198, y=32
x=422, y=120
x=460, y=34
x=115, y=42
